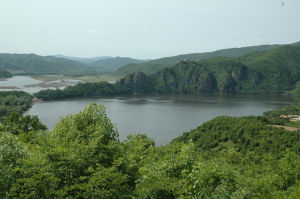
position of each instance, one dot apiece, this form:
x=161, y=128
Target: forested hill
x=112, y=64
x=276, y=71
x=280, y=68
x=150, y=67
x=104, y=64
x=35, y=64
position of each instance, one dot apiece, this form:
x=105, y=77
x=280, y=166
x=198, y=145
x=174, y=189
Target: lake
x=163, y=117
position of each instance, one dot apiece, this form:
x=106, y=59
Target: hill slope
x=111, y=64
x=153, y=66
x=103, y=64
x=280, y=67
x=276, y=71
x=34, y=64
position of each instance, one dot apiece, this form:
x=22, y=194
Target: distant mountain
x=280, y=67
x=275, y=71
x=59, y=64
x=83, y=60
x=111, y=64
x=35, y=64
x=104, y=64
x=152, y=66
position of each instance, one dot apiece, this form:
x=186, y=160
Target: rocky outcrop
x=137, y=83
x=223, y=77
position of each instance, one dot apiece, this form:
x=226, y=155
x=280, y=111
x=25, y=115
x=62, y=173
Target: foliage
x=14, y=101
x=12, y=154
x=15, y=123
x=293, y=109
x=243, y=133
x=83, y=90
x=82, y=157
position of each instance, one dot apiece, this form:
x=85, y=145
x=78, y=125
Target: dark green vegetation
x=244, y=134
x=5, y=74
x=82, y=157
x=83, y=90
x=153, y=66
x=14, y=102
x=293, y=109
x=273, y=117
x=276, y=71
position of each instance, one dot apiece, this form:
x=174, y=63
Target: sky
x=144, y=29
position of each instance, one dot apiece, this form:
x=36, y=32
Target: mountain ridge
x=155, y=65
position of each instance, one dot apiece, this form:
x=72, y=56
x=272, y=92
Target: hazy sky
x=143, y=28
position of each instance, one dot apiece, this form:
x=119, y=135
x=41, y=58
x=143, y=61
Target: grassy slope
x=153, y=66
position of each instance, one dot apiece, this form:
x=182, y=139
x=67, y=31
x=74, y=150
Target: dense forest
x=276, y=71
x=82, y=157
x=14, y=102
x=83, y=90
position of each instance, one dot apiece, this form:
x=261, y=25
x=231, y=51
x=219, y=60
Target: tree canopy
x=82, y=157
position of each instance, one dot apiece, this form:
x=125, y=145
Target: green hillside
x=14, y=102
x=111, y=64
x=276, y=71
x=150, y=67
x=243, y=133
x=280, y=67
x=34, y=64
x=218, y=75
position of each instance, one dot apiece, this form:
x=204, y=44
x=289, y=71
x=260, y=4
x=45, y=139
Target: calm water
x=163, y=117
